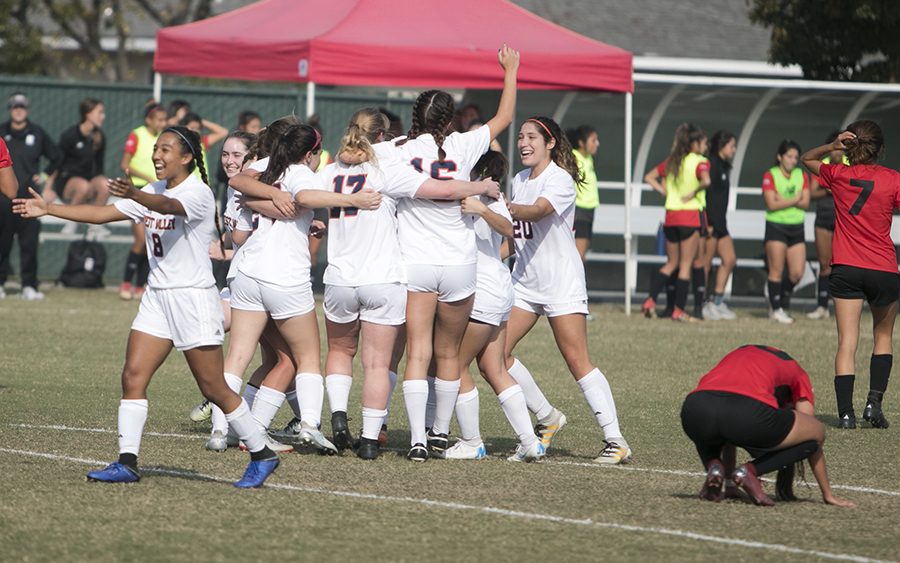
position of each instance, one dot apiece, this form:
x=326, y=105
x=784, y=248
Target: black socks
x=879, y=373
x=128, y=460
x=843, y=389
x=776, y=460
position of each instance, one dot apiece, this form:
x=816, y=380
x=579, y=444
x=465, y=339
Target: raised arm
x=36, y=206
x=216, y=132
x=316, y=199
x=534, y=212
x=812, y=159
x=500, y=224
x=122, y=187
x=457, y=189
x=246, y=182
x=509, y=60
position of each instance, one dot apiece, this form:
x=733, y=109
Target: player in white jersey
x=548, y=280
x=273, y=278
x=180, y=308
x=440, y=256
x=486, y=333
x=365, y=282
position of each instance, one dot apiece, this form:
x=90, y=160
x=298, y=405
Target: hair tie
x=318, y=140
x=544, y=127
x=188, y=143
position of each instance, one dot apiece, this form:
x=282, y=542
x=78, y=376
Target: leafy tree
x=833, y=39
x=22, y=51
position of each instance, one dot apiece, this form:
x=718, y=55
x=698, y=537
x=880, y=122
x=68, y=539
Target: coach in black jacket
x=27, y=143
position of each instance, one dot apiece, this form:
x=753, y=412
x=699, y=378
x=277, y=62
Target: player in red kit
x=864, y=262
x=759, y=399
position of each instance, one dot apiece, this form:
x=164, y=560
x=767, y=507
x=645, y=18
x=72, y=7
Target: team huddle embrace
x=418, y=228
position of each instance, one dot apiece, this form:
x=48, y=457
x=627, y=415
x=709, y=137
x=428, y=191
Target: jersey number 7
x=356, y=183
x=867, y=186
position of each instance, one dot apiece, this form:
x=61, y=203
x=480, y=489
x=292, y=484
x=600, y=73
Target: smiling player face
x=169, y=161
x=533, y=149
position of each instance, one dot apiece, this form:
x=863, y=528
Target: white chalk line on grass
x=678, y=472
x=533, y=516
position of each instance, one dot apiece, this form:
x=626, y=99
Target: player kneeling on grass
x=181, y=307
x=737, y=404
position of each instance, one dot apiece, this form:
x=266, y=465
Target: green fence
x=54, y=106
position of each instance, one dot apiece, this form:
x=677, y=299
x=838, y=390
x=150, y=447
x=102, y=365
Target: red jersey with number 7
x=865, y=196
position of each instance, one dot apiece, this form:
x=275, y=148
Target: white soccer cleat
x=31, y=294
x=548, y=428
x=201, y=412
x=821, y=313
x=463, y=450
x=534, y=452
x=218, y=441
x=711, y=312
x=290, y=433
x=313, y=436
x=613, y=454
x=781, y=316
x=725, y=313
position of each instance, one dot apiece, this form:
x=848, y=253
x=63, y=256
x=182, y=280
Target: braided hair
x=432, y=113
x=190, y=142
x=561, y=153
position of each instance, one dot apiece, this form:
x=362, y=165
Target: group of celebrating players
x=419, y=229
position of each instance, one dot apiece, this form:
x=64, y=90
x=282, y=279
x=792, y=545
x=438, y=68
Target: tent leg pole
x=157, y=87
x=629, y=257
x=310, y=98
x=512, y=134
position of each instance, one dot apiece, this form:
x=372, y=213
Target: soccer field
x=59, y=389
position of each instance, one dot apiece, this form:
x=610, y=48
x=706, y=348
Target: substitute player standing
x=864, y=262
x=181, y=307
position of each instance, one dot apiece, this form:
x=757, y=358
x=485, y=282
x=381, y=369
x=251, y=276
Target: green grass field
x=59, y=390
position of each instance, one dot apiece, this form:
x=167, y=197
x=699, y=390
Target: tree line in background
x=828, y=39
x=27, y=25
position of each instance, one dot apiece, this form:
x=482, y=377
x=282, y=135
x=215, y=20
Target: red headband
x=318, y=139
x=544, y=127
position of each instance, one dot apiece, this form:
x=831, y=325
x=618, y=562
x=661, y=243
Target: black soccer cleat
x=367, y=449
x=340, y=431
x=417, y=453
x=847, y=421
x=874, y=415
x=437, y=442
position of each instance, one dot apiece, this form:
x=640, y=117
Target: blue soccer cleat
x=115, y=473
x=257, y=473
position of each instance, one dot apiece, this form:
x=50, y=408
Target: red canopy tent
x=390, y=43
x=401, y=43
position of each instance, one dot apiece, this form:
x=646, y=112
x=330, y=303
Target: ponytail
x=431, y=114
x=366, y=125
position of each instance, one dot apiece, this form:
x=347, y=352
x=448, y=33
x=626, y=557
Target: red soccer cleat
x=745, y=478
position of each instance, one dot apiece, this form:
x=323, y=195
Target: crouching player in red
x=864, y=262
x=737, y=404
x=181, y=307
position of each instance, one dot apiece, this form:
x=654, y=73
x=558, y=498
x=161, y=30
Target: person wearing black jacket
x=27, y=143
x=722, y=147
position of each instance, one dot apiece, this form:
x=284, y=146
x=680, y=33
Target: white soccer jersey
x=178, y=247
x=237, y=219
x=493, y=291
x=363, y=246
x=548, y=267
x=278, y=251
x=434, y=232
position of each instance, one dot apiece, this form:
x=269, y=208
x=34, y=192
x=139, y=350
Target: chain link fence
x=54, y=106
